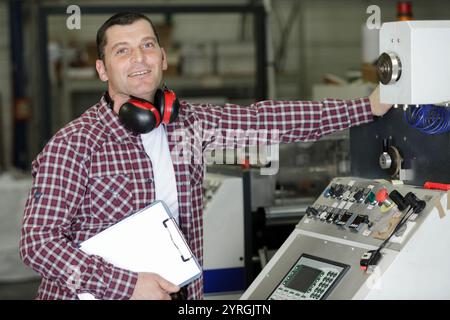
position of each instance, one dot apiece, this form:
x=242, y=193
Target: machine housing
x=422, y=48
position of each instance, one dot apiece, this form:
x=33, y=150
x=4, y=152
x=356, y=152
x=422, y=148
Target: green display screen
x=303, y=278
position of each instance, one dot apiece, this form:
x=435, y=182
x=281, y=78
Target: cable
x=403, y=220
x=429, y=119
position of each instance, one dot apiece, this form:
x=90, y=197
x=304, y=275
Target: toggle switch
x=416, y=204
x=398, y=199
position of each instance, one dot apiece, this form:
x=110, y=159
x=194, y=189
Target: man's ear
x=164, y=59
x=101, y=70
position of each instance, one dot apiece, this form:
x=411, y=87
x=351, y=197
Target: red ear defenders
x=142, y=116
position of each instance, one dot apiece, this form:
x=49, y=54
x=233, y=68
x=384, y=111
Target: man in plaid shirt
x=94, y=172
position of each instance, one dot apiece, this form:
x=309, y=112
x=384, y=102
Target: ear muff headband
x=169, y=99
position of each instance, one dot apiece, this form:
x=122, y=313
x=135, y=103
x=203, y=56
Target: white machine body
x=223, y=235
x=423, y=48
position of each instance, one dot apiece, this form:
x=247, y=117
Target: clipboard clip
x=181, y=237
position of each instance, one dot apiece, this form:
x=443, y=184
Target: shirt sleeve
x=269, y=122
x=59, y=183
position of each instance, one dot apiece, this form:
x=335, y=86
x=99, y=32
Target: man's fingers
x=167, y=285
x=163, y=296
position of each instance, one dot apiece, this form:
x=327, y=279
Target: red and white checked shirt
x=94, y=172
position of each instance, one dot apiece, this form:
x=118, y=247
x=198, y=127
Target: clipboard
x=149, y=240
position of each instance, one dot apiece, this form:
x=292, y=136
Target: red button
x=382, y=195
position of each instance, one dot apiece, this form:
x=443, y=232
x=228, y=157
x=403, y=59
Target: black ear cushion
x=137, y=119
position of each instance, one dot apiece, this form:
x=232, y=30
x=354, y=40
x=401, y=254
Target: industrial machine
x=380, y=234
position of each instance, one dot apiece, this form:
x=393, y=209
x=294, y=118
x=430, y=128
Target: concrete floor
x=19, y=290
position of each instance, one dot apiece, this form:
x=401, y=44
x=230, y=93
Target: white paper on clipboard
x=147, y=241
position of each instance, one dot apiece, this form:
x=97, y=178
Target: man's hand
x=151, y=286
x=378, y=108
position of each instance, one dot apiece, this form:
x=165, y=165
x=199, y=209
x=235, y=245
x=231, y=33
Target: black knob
x=332, y=190
x=399, y=200
x=310, y=211
x=358, y=195
x=416, y=204
x=339, y=191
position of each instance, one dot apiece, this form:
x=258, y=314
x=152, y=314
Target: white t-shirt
x=156, y=146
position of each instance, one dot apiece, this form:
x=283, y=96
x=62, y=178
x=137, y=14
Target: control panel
x=363, y=239
x=334, y=207
x=311, y=278
x=366, y=208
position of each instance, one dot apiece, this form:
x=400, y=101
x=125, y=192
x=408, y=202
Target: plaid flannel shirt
x=94, y=172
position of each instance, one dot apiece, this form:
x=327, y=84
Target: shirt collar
x=112, y=123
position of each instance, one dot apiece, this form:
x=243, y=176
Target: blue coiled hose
x=429, y=119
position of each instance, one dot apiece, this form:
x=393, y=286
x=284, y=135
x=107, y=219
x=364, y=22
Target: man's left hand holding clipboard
x=151, y=286
x=150, y=243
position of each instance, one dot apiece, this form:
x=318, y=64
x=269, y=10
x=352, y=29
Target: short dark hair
x=121, y=19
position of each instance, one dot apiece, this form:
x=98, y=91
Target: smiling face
x=133, y=61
